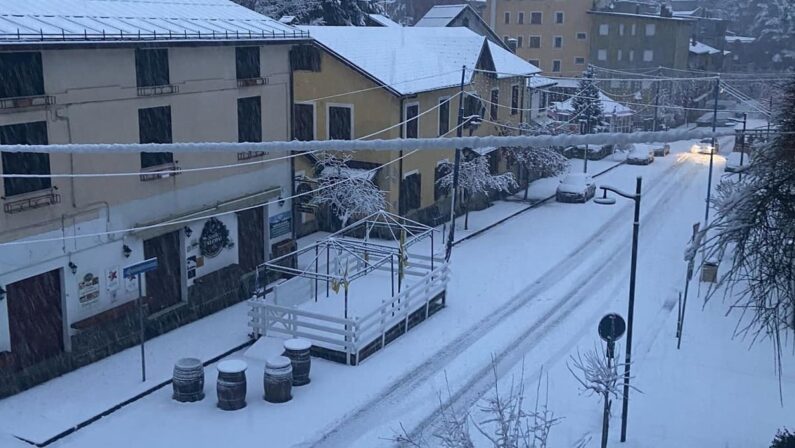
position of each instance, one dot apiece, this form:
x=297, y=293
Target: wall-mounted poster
x=280, y=224
x=88, y=289
x=112, y=275
x=214, y=237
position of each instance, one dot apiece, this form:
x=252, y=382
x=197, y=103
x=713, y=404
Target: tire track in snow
x=359, y=421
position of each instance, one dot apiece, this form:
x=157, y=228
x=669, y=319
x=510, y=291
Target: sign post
x=690, y=258
x=611, y=328
x=135, y=270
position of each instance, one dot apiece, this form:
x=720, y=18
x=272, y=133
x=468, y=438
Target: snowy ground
x=532, y=288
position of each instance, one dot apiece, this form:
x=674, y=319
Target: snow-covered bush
x=783, y=439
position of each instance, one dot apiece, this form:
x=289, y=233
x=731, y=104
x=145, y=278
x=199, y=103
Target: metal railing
x=158, y=90
x=38, y=199
x=160, y=172
x=26, y=101
x=119, y=35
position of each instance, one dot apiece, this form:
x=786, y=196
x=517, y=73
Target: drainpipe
x=290, y=127
x=401, y=210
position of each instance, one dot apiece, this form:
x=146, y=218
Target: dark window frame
x=18, y=66
x=150, y=134
x=303, y=131
x=330, y=121
x=412, y=126
x=534, y=42
x=411, y=191
x=32, y=133
x=514, y=99
x=151, y=67
x=247, y=63
x=494, y=113
x=249, y=119
x=444, y=116
x=533, y=16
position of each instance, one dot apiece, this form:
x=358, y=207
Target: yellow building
x=363, y=81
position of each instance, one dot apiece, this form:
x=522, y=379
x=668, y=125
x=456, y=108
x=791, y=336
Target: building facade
x=66, y=239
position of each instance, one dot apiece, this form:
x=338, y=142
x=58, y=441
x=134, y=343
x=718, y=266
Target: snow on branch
x=595, y=374
x=474, y=178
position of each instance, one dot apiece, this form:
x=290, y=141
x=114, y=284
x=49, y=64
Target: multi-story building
x=129, y=72
x=551, y=34
x=366, y=80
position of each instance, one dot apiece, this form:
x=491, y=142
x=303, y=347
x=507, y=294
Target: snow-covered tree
x=317, y=12
x=587, y=105
x=538, y=161
x=348, y=193
x=475, y=178
x=772, y=22
x=753, y=235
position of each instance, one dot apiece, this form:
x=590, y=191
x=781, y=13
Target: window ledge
x=22, y=102
x=160, y=172
x=32, y=200
x=158, y=90
x=252, y=82
x=248, y=155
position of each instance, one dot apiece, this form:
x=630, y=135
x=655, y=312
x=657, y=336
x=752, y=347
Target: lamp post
x=604, y=200
x=584, y=130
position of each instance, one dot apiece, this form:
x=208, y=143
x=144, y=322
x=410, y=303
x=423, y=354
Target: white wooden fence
x=348, y=336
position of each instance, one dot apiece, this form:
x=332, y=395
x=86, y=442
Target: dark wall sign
x=214, y=237
x=612, y=327
x=280, y=224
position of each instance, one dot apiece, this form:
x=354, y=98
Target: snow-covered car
x=640, y=155
x=662, y=150
x=733, y=162
x=576, y=187
x=705, y=146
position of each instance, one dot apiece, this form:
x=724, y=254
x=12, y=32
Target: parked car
x=705, y=146
x=733, y=162
x=576, y=187
x=662, y=150
x=640, y=155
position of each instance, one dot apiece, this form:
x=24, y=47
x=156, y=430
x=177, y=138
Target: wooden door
x=251, y=238
x=35, y=318
x=164, y=285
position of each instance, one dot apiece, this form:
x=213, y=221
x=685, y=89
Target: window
x=648, y=55
x=154, y=126
x=558, y=41
x=442, y=169
x=604, y=29
x=601, y=55
x=555, y=66
x=247, y=62
x=518, y=41
x=21, y=74
x=151, y=67
x=582, y=36
x=535, y=62
x=579, y=60
x=411, y=191
x=473, y=106
x=620, y=54
x=534, y=42
x=340, y=122
x=305, y=57
x=249, y=119
x=494, y=162
x=631, y=55
x=493, y=107
x=559, y=17
x=514, y=100
x=535, y=18
x=444, y=116
x=412, y=121
x=520, y=18
x=650, y=29
x=620, y=29
x=507, y=18
x=634, y=29
x=25, y=162
x=304, y=122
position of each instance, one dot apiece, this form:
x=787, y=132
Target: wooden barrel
x=278, y=380
x=188, y=380
x=298, y=352
x=231, y=385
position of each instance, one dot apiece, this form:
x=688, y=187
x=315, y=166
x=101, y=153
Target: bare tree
x=475, y=178
x=348, y=193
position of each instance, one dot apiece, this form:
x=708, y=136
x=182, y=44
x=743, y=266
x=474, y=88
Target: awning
x=176, y=222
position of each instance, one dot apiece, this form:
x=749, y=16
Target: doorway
x=251, y=238
x=35, y=318
x=164, y=285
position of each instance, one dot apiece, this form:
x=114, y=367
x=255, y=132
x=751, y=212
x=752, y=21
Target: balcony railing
x=252, y=82
x=33, y=200
x=26, y=101
x=160, y=172
x=158, y=90
x=248, y=155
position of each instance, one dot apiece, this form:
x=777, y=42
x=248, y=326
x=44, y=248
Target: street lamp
x=604, y=200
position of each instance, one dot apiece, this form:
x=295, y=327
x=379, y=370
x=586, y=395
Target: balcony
x=248, y=82
x=160, y=172
x=167, y=89
x=248, y=155
x=37, y=199
x=22, y=102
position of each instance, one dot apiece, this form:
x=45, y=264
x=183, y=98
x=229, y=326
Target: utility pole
x=656, y=103
x=712, y=150
x=742, y=145
x=456, y=167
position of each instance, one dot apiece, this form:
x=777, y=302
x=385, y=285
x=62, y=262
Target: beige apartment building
x=127, y=73
x=366, y=80
x=551, y=34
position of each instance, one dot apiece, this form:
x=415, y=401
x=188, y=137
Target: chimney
x=512, y=43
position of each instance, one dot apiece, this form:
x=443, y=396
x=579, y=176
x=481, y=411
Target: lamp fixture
x=281, y=201
x=2, y=293
x=188, y=231
x=73, y=267
x=126, y=251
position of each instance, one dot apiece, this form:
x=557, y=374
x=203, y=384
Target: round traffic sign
x=612, y=327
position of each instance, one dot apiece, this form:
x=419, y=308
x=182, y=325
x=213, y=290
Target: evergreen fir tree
x=783, y=439
x=317, y=12
x=587, y=105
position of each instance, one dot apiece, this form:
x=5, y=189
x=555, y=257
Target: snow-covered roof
x=406, y=59
x=566, y=83
x=537, y=82
x=288, y=19
x=113, y=20
x=347, y=173
x=508, y=64
x=702, y=48
x=440, y=15
x=484, y=151
x=609, y=106
x=383, y=20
